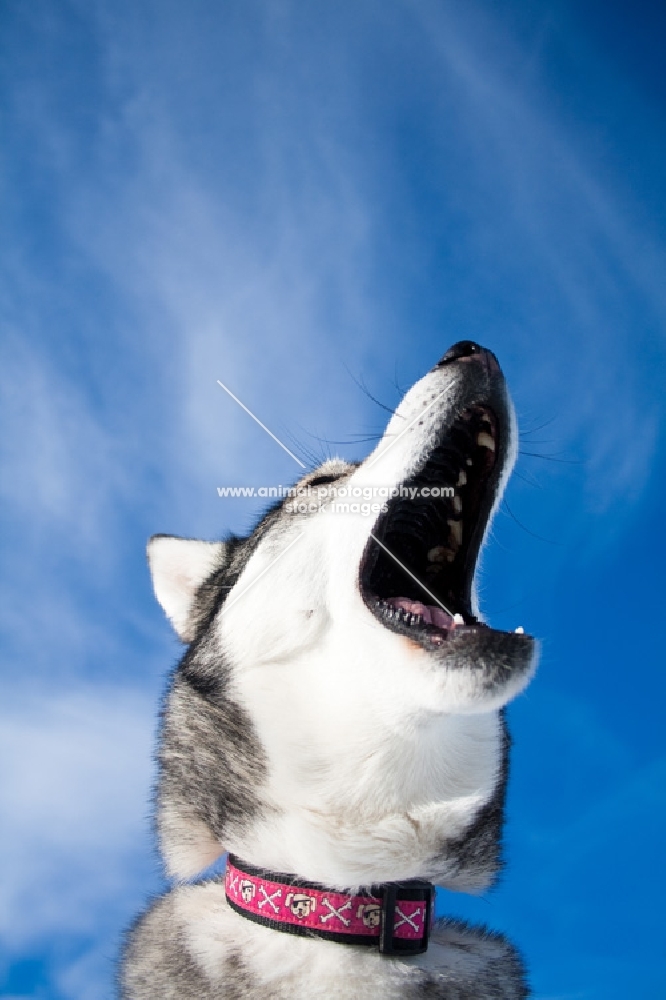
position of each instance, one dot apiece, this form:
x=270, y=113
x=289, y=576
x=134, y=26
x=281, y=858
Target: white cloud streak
x=74, y=785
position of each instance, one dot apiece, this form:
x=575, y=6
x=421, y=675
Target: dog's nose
x=468, y=350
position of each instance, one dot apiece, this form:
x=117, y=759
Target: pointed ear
x=178, y=567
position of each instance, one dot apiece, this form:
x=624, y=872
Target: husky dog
x=337, y=717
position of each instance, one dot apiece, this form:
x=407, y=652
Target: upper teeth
x=484, y=440
x=462, y=478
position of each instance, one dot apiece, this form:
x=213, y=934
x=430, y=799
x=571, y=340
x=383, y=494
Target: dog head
x=347, y=630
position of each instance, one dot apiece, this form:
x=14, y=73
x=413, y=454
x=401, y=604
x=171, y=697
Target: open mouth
x=417, y=569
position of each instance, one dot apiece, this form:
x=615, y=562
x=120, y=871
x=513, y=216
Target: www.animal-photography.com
x=333, y=363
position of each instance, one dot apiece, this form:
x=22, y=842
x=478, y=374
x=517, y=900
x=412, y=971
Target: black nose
x=468, y=350
x=463, y=349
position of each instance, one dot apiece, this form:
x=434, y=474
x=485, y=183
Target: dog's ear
x=179, y=566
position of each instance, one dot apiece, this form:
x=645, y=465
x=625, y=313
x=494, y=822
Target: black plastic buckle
x=391, y=895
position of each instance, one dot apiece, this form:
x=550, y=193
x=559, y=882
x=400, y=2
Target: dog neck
x=395, y=917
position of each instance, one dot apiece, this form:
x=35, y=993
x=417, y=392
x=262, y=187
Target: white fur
x=178, y=567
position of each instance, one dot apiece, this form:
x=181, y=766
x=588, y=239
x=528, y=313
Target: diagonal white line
x=252, y=583
x=368, y=465
x=415, y=578
x=263, y=426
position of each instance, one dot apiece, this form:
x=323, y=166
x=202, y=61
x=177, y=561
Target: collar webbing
x=395, y=916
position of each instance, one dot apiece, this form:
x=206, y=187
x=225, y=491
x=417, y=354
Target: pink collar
x=396, y=915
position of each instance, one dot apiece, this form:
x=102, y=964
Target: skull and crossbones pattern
x=300, y=904
x=370, y=914
x=248, y=890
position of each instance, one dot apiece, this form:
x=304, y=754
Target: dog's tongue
x=431, y=614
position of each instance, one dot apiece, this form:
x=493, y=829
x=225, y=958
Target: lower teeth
x=411, y=618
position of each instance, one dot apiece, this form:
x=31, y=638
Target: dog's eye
x=322, y=480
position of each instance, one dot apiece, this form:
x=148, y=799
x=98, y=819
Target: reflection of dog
x=397, y=769
x=370, y=913
x=300, y=904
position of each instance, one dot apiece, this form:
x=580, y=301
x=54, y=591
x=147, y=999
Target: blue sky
x=290, y=196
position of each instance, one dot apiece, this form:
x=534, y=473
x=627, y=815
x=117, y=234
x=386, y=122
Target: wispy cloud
x=63, y=468
x=222, y=267
x=74, y=788
x=54, y=758
x=588, y=273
